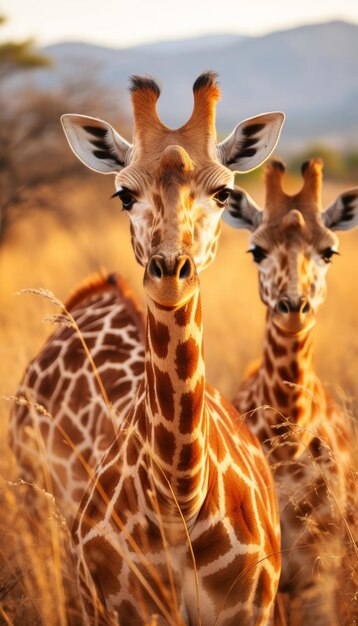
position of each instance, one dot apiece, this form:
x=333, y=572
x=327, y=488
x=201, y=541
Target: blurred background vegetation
x=36, y=167
x=58, y=224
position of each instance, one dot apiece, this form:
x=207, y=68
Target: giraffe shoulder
x=230, y=414
x=95, y=284
x=102, y=282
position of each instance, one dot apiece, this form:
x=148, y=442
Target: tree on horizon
x=19, y=55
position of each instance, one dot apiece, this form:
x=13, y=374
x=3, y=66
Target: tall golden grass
x=36, y=572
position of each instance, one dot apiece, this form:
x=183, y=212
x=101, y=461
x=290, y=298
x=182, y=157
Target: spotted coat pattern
x=306, y=437
x=181, y=473
x=178, y=459
x=61, y=379
x=183, y=448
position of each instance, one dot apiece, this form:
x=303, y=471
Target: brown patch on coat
x=206, y=550
x=164, y=393
x=159, y=334
x=165, y=443
x=183, y=314
x=191, y=404
x=187, y=358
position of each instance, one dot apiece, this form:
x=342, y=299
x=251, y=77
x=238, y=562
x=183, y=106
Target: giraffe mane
x=104, y=282
x=93, y=284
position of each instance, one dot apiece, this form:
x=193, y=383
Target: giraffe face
x=293, y=258
x=292, y=242
x=174, y=206
x=174, y=184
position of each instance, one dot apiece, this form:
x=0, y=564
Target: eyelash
x=225, y=195
x=259, y=254
x=327, y=254
x=125, y=197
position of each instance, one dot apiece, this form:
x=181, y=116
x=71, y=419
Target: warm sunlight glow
x=131, y=22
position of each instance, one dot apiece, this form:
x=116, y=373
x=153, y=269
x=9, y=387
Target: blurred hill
x=310, y=72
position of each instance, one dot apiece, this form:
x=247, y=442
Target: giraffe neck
x=287, y=374
x=174, y=400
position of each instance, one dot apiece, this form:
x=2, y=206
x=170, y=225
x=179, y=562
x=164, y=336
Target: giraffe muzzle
x=170, y=280
x=180, y=267
x=287, y=305
x=294, y=316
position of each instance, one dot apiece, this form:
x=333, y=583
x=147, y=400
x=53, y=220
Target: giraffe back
x=72, y=426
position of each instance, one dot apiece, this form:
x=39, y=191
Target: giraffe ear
x=251, y=142
x=242, y=211
x=342, y=214
x=96, y=143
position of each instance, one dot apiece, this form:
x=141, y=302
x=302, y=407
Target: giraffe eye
x=327, y=254
x=222, y=197
x=259, y=254
x=126, y=197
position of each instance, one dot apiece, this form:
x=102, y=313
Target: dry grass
x=41, y=254
x=37, y=582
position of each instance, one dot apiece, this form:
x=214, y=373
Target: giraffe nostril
x=283, y=305
x=180, y=267
x=186, y=269
x=286, y=305
x=154, y=269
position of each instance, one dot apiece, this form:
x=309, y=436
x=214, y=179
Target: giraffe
x=184, y=480
x=304, y=434
x=61, y=380
x=59, y=398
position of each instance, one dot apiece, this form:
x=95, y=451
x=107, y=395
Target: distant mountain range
x=310, y=73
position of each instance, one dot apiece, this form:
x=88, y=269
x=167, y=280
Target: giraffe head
x=292, y=241
x=174, y=184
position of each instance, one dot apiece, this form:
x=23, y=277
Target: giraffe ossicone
x=306, y=436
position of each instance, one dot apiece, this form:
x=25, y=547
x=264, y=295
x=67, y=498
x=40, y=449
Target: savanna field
x=36, y=576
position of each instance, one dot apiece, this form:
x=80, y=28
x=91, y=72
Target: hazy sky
x=128, y=22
